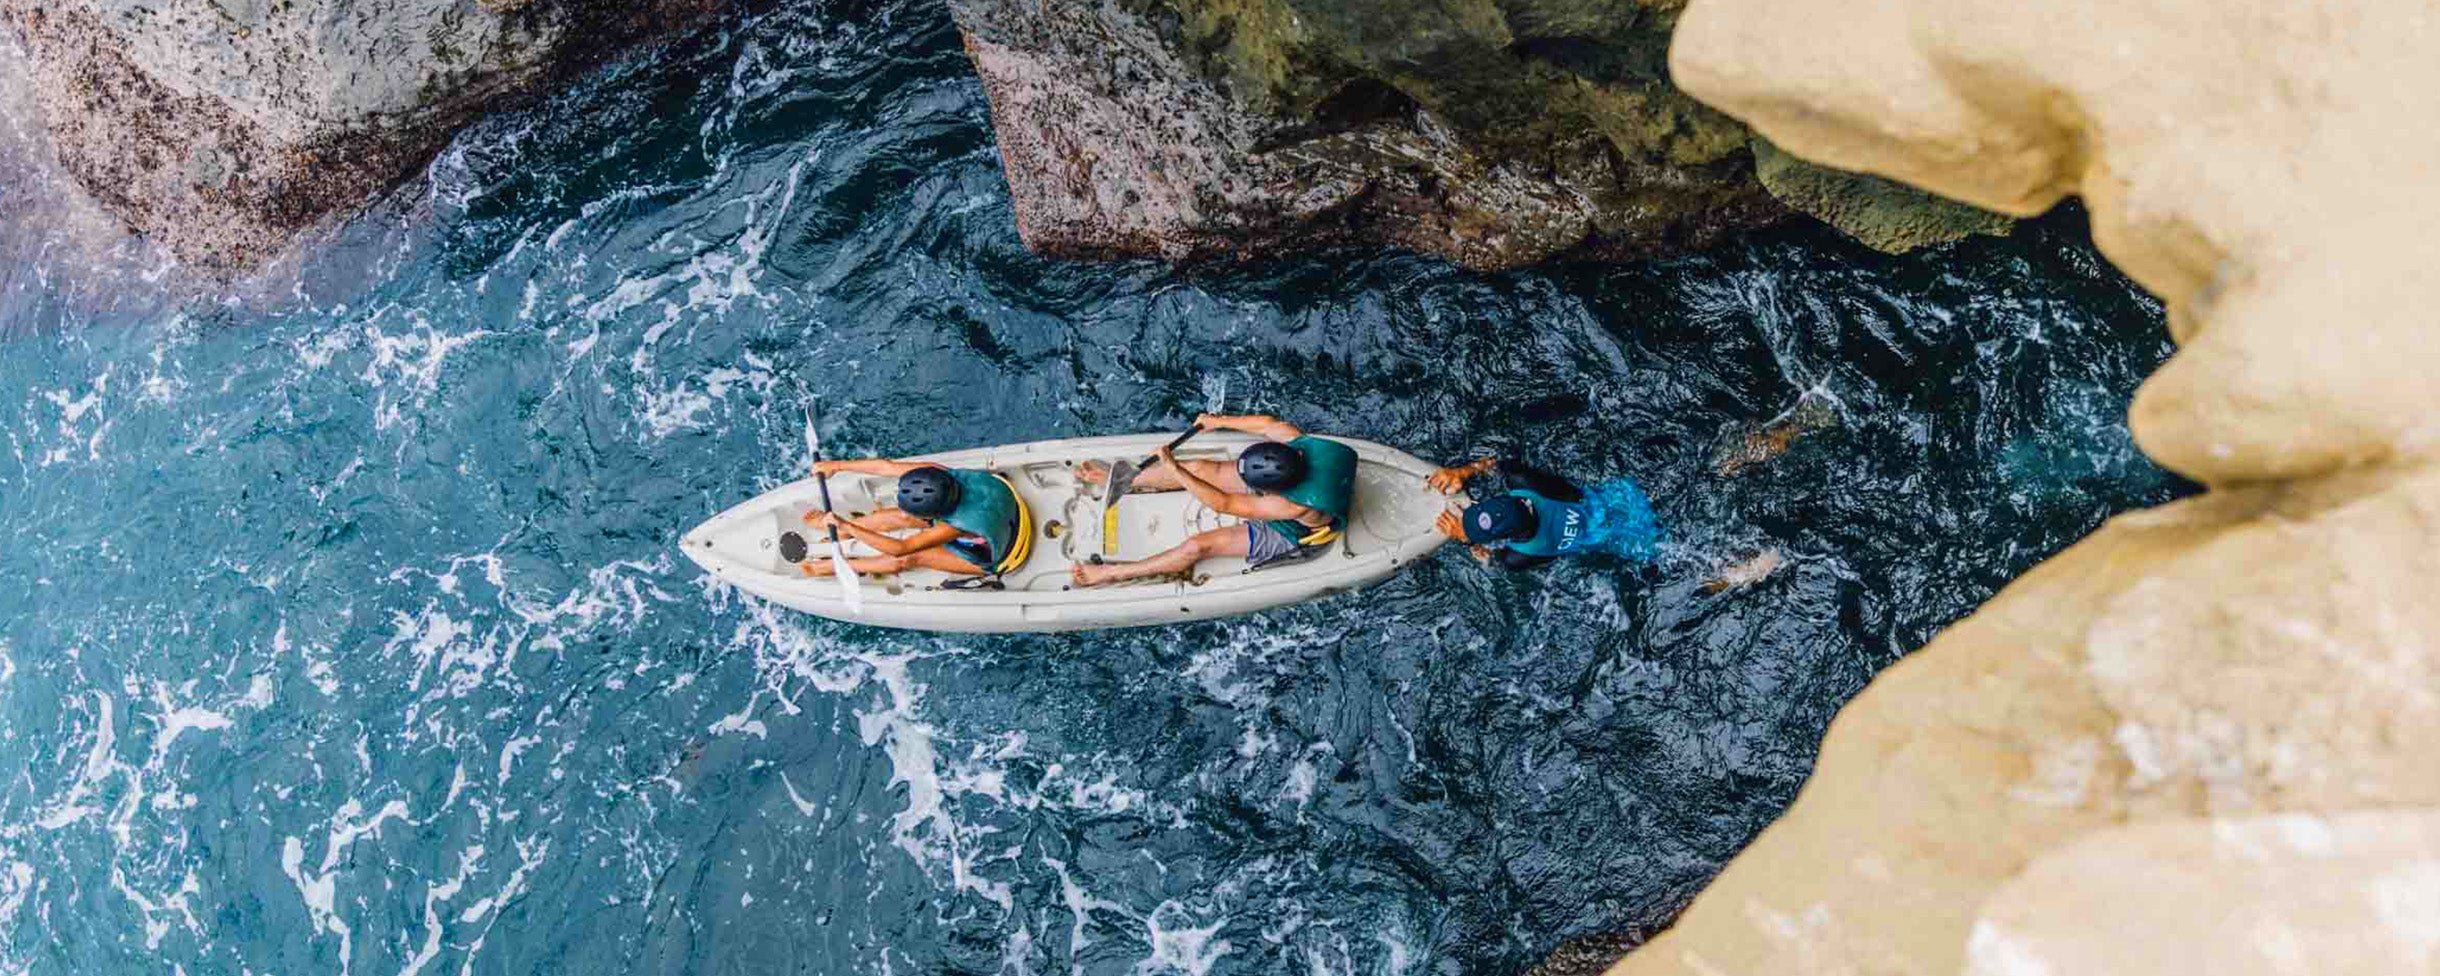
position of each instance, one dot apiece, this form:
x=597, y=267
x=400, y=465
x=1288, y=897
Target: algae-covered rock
x=1884, y=215
x=221, y=129
x=1495, y=133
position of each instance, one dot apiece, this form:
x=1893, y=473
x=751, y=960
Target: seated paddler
x=1534, y=517
x=964, y=521
x=1293, y=491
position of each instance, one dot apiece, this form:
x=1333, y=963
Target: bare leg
x=1219, y=474
x=935, y=559
x=1224, y=541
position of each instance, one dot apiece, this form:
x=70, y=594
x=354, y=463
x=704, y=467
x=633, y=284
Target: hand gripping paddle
x=851, y=589
x=1122, y=477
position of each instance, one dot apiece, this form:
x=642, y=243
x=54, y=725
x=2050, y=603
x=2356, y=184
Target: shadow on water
x=347, y=634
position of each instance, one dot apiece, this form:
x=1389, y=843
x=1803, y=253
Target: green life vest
x=1329, y=486
x=986, y=508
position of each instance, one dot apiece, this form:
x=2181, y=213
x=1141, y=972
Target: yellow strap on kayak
x=1024, y=544
x=1321, y=537
x=1109, y=530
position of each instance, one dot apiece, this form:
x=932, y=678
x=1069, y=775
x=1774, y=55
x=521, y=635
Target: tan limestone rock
x=2347, y=894
x=2272, y=647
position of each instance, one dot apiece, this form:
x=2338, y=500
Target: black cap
x=1499, y=518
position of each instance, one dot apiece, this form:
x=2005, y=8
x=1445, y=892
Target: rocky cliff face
x=223, y=128
x=1495, y=133
x=2199, y=740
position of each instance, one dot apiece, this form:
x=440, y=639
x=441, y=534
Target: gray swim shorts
x=1264, y=543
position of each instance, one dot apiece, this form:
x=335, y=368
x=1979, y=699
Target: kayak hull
x=1391, y=526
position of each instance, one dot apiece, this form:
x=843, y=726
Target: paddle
x=1122, y=474
x=851, y=589
x=1122, y=477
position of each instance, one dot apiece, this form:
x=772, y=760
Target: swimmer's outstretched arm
x=1450, y=481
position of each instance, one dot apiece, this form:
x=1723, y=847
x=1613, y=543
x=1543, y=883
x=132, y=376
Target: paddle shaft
x=825, y=482
x=819, y=477
x=1155, y=457
x=839, y=566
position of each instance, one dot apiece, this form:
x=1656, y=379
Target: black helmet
x=927, y=492
x=1271, y=466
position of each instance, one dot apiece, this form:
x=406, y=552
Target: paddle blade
x=1122, y=477
x=851, y=589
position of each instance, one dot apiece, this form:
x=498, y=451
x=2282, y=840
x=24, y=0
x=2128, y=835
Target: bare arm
x=931, y=538
x=1260, y=425
x=880, y=467
x=1242, y=506
x=1449, y=481
x=885, y=520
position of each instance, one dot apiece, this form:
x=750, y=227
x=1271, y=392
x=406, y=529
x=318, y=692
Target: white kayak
x=1391, y=525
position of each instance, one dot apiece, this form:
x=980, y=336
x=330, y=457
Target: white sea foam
x=101, y=759
x=16, y=885
x=320, y=887
x=1302, y=778
x=511, y=750
x=73, y=409
x=924, y=829
x=1401, y=955
x=159, y=915
x=405, y=366
x=739, y=722
x=176, y=720
x=1178, y=945
x=675, y=409
x=803, y=806
x=434, y=895
x=1080, y=905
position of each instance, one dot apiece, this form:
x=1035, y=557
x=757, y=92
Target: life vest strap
x=1322, y=536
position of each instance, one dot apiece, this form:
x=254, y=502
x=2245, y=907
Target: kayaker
x=1537, y=517
x=1293, y=491
x=965, y=521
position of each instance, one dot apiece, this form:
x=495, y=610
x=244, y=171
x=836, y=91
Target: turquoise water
x=344, y=630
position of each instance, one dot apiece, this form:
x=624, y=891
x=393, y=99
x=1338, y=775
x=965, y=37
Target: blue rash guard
x=1612, y=518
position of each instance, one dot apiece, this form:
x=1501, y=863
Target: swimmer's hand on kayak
x=1450, y=481
x=1450, y=525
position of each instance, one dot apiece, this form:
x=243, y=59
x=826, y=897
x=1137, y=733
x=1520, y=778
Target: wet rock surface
x=223, y=131
x=1497, y=135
